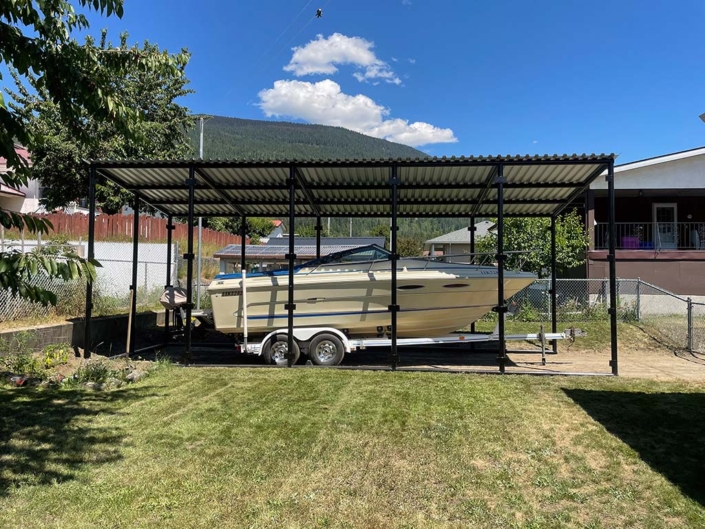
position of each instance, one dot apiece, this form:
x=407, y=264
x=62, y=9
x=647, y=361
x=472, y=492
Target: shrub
x=23, y=364
x=95, y=371
x=56, y=354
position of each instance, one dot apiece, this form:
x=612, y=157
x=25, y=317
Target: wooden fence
x=119, y=227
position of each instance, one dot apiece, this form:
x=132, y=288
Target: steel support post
x=319, y=228
x=554, y=285
x=188, y=256
x=169, y=229
x=501, y=308
x=614, y=361
x=291, y=257
x=90, y=255
x=690, y=325
x=243, y=243
x=133, y=286
x=394, y=307
x=472, y=229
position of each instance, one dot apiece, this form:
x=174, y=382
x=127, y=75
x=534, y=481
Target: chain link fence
x=111, y=292
x=678, y=320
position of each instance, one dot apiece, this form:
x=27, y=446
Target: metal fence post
x=690, y=325
x=638, y=299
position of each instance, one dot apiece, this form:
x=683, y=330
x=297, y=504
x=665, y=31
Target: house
x=660, y=222
x=26, y=199
x=456, y=242
x=276, y=233
x=272, y=255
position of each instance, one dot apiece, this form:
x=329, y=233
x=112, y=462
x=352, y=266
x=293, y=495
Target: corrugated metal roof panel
x=438, y=182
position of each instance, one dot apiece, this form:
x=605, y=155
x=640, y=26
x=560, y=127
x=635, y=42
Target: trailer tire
x=326, y=350
x=274, y=350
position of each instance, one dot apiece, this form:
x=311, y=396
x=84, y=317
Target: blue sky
x=450, y=77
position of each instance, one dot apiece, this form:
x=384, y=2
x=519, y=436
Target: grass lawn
x=326, y=448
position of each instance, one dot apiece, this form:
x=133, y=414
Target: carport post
x=394, y=307
x=243, y=244
x=553, y=291
x=319, y=228
x=291, y=257
x=133, y=286
x=472, y=229
x=614, y=361
x=501, y=308
x=169, y=229
x=90, y=255
x=191, y=183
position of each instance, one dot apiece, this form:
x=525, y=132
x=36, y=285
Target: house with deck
x=660, y=216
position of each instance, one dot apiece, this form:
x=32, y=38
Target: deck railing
x=652, y=236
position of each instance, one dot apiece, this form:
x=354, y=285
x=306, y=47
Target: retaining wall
x=104, y=330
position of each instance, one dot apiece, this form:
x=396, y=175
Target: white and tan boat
x=350, y=291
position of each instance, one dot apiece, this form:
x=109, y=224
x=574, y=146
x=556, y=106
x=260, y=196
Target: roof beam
x=225, y=197
x=353, y=187
x=303, y=184
x=579, y=191
x=486, y=191
x=366, y=202
x=137, y=194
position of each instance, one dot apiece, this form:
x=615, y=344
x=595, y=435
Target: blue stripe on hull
x=356, y=313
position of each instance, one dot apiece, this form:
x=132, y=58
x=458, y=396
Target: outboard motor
x=174, y=298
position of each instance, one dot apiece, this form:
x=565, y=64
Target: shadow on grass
x=667, y=430
x=47, y=435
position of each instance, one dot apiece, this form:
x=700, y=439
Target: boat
x=350, y=291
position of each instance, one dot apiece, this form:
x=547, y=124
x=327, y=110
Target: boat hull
x=430, y=303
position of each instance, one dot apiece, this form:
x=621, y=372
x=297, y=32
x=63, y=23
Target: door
x=665, y=226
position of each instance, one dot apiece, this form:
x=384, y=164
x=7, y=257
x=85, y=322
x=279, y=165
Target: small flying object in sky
x=319, y=13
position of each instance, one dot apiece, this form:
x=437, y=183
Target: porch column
x=90, y=255
x=614, y=361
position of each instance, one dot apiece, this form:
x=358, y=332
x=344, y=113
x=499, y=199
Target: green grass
x=313, y=448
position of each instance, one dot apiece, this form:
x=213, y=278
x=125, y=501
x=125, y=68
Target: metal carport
x=496, y=186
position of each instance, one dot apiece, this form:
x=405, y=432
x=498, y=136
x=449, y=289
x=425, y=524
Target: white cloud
x=321, y=56
x=412, y=61
x=406, y=2
x=324, y=103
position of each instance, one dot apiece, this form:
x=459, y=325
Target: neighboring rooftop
x=462, y=236
x=304, y=248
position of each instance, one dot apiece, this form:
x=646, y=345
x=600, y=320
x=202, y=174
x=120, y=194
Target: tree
x=36, y=41
x=381, y=230
x=409, y=247
x=255, y=228
x=531, y=236
x=58, y=153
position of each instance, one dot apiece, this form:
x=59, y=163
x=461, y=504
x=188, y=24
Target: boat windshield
x=356, y=255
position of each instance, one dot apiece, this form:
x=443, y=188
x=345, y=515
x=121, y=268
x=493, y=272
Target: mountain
x=254, y=139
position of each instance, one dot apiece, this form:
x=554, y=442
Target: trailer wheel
x=275, y=350
x=326, y=350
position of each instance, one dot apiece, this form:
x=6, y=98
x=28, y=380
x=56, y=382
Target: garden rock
x=136, y=375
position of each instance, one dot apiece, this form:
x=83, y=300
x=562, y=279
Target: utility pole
x=350, y=226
